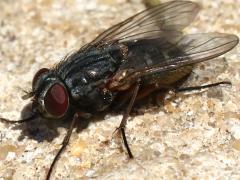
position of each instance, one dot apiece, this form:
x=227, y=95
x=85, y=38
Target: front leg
x=77, y=116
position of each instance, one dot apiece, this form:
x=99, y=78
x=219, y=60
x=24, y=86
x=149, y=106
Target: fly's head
x=49, y=95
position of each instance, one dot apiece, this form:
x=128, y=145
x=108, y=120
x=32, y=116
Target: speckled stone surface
x=193, y=136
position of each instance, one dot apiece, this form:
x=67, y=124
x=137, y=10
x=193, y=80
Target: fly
x=145, y=53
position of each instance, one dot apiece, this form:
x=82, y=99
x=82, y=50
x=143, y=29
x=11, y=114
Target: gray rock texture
x=191, y=136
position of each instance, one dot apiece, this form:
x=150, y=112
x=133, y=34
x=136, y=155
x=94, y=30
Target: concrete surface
x=194, y=136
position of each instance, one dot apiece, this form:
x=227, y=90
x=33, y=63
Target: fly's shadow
x=41, y=129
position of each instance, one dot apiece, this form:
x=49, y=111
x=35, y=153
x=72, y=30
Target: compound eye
x=39, y=73
x=56, y=100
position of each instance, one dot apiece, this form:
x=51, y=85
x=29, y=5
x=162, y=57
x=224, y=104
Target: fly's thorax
x=86, y=76
x=89, y=94
x=51, y=99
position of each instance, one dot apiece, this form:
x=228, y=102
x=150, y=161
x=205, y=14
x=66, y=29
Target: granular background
x=192, y=136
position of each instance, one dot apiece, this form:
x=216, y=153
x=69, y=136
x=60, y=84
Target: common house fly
x=145, y=53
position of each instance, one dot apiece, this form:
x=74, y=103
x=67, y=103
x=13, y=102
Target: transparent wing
x=149, y=24
x=150, y=57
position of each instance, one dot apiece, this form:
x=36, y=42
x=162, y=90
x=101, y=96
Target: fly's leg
x=193, y=88
x=32, y=117
x=64, y=144
x=121, y=128
x=136, y=95
x=177, y=89
x=123, y=99
x=144, y=92
x=162, y=89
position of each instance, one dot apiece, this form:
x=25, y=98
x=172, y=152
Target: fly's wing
x=164, y=56
x=149, y=24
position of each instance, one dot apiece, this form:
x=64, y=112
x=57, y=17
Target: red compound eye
x=38, y=74
x=56, y=100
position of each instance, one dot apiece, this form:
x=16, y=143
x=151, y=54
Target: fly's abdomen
x=151, y=53
x=167, y=78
